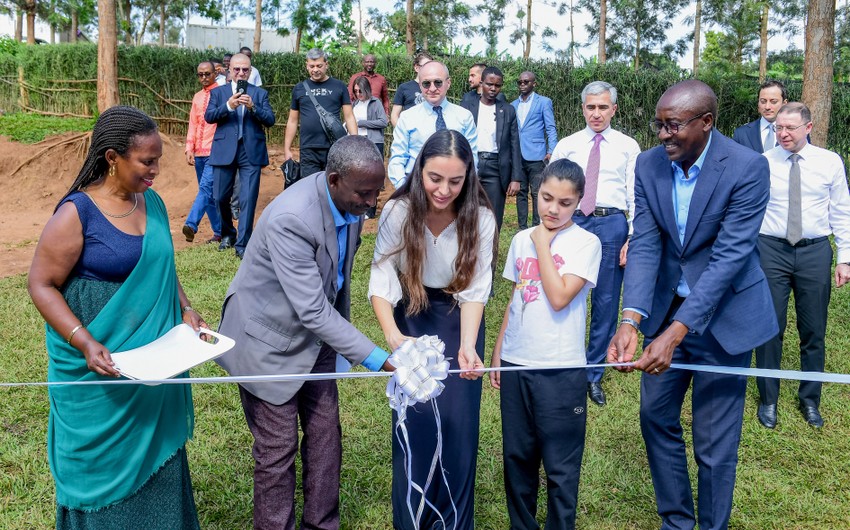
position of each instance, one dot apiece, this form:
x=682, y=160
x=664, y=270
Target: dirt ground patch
x=29, y=199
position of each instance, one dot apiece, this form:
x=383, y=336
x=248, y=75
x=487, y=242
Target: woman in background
x=371, y=120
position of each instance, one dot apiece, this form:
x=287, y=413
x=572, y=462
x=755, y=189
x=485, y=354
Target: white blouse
x=440, y=254
x=360, y=113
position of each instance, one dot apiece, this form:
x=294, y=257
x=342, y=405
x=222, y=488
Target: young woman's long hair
x=446, y=143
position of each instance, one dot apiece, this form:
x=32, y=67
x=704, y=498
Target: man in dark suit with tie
x=239, y=143
x=760, y=135
x=694, y=286
x=499, y=159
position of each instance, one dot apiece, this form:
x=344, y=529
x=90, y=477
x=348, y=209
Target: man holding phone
x=241, y=111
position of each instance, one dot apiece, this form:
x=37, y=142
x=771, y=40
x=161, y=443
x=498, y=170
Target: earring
x=112, y=171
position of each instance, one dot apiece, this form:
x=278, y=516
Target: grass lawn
x=793, y=477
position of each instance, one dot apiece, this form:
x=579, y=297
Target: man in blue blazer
x=537, y=139
x=239, y=143
x=694, y=286
x=760, y=135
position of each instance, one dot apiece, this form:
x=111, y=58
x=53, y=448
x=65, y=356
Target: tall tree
x=603, y=19
x=30, y=7
x=107, y=55
x=431, y=25
x=258, y=25
x=817, y=67
x=494, y=13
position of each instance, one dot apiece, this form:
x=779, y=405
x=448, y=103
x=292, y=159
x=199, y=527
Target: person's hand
x=542, y=236
x=623, y=251
x=469, y=362
x=287, y=154
x=623, y=347
x=246, y=100
x=98, y=359
x=190, y=159
x=396, y=338
x=513, y=188
x=842, y=274
x=657, y=356
x=496, y=377
x=194, y=319
x=234, y=101
x=547, y=157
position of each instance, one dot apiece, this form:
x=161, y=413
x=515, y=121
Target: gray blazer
x=375, y=122
x=283, y=305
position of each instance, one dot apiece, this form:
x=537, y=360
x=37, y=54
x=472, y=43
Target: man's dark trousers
x=531, y=169
x=249, y=191
x=313, y=160
x=491, y=181
x=805, y=269
x=612, y=231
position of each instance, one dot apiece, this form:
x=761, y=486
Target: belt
x=488, y=155
x=801, y=243
x=601, y=212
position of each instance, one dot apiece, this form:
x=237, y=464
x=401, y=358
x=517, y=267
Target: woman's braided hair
x=117, y=128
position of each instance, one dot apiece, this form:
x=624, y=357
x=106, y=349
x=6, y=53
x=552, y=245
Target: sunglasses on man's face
x=438, y=83
x=237, y=69
x=204, y=74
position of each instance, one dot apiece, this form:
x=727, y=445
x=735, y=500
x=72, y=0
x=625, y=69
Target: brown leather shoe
x=189, y=233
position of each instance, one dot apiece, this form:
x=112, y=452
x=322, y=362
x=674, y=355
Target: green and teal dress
x=117, y=453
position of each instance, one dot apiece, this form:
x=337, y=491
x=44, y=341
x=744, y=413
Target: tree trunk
x=300, y=32
x=162, y=24
x=51, y=12
x=359, y=28
x=258, y=26
x=527, y=51
x=107, y=55
x=817, y=66
x=19, y=25
x=411, y=44
x=30, y=9
x=75, y=24
x=697, y=32
x=637, y=48
x=603, y=23
x=765, y=12
x=128, y=21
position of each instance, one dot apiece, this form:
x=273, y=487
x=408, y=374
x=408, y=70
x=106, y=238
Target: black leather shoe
x=767, y=415
x=596, y=394
x=811, y=415
x=226, y=243
x=240, y=253
x=189, y=233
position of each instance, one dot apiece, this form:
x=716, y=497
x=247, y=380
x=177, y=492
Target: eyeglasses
x=524, y=81
x=237, y=69
x=204, y=74
x=358, y=91
x=672, y=127
x=780, y=128
x=438, y=83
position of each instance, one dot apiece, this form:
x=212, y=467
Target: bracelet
x=187, y=308
x=73, y=332
x=632, y=322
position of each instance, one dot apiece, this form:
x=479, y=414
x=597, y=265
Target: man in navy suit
x=694, y=286
x=760, y=135
x=239, y=143
x=537, y=139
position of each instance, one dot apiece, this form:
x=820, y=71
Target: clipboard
x=172, y=354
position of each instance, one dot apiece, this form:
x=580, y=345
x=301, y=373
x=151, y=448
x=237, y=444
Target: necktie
x=795, y=203
x=770, y=140
x=441, y=123
x=241, y=111
x=591, y=177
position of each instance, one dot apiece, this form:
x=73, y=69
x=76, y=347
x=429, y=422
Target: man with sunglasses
x=537, y=138
x=694, y=287
x=239, y=144
x=199, y=139
x=417, y=124
x=809, y=201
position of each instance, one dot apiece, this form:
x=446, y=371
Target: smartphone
x=241, y=86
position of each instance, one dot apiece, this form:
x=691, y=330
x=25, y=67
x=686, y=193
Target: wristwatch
x=632, y=322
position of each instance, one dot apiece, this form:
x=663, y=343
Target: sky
x=541, y=15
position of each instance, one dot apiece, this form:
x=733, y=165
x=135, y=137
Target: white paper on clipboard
x=172, y=354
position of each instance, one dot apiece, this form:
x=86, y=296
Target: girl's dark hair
x=363, y=84
x=567, y=170
x=117, y=128
x=445, y=143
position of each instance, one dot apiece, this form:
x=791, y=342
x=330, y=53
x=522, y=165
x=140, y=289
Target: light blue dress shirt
x=415, y=126
x=342, y=221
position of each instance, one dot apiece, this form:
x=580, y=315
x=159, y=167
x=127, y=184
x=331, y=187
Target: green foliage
x=32, y=128
x=435, y=24
x=9, y=45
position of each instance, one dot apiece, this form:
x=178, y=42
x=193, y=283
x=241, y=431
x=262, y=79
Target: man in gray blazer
x=288, y=310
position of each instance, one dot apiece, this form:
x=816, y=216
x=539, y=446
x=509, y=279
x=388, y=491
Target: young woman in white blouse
x=432, y=275
x=371, y=119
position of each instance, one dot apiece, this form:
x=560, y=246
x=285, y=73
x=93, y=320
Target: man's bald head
x=434, y=81
x=691, y=95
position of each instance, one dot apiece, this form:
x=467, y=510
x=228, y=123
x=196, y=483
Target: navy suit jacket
x=719, y=258
x=226, y=136
x=507, y=138
x=749, y=135
x=538, y=130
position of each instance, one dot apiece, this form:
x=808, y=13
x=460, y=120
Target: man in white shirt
x=759, y=135
x=254, y=78
x=809, y=200
x=608, y=159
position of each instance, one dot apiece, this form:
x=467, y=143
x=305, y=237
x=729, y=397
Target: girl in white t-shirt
x=553, y=266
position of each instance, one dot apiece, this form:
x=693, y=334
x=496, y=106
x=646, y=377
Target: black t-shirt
x=408, y=95
x=331, y=94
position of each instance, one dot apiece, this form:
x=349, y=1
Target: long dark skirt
x=459, y=407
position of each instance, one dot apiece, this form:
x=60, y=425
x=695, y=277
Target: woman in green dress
x=104, y=279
